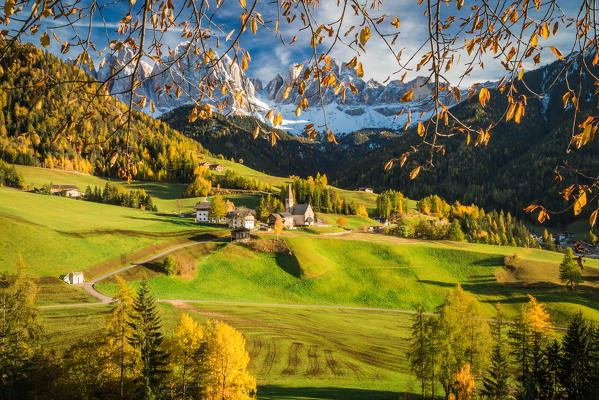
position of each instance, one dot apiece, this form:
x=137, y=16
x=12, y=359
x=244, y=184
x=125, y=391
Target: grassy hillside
x=56, y=235
x=378, y=271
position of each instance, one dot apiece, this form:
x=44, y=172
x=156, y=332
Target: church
x=295, y=214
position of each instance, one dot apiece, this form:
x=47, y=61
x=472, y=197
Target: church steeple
x=289, y=200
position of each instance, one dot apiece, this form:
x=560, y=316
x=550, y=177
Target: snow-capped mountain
x=374, y=105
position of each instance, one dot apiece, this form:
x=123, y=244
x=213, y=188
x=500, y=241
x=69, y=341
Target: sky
x=270, y=56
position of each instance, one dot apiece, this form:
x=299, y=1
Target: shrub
x=169, y=266
x=510, y=260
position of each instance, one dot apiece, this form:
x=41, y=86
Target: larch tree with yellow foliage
x=185, y=355
x=528, y=336
x=118, y=329
x=464, y=383
x=225, y=364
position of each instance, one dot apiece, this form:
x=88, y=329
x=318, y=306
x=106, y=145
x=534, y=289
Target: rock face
x=192, y=74
x=121, y=67
x=375, y=105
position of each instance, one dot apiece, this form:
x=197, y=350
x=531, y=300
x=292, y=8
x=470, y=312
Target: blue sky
x=269, y=56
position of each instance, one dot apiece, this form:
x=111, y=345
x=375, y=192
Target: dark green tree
x=575, y=362
x=147, y=339
x=569, y=270
x=419, y=350
x=20, y=332
x=496, y=380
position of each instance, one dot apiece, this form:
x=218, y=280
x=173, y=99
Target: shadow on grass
x=289, y=264
x=276, y=392
x=517, y=293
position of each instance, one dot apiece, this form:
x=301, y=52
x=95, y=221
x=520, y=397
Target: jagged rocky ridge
x=374, y=106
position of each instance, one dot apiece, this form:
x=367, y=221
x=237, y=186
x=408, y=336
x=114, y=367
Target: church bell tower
x=289, y=200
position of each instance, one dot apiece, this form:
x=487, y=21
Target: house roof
x=203, y=205
x=64, y=187
x=300, y=209
x=240, y=230
x=240, y=213
x=282, y=214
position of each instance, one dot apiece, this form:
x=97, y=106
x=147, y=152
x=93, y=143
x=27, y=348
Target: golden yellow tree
x=225, y=364
x=362, y=210
x=464, y=383
x=536, y=316
x=278, y=225
x=188, y=340
x=118, y=329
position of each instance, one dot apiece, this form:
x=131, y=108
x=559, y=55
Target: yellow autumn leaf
x=45, y=39
x=414, y=172
x=364, y=35
x=557, y=53
x=580, y=202
x=545, y=31
x=256, y=132
x=483, y=96
x=407, y=96
x=420, y=129
x=286, y=92
x=244, y=63
x=360, y=70
x=242, y=2
x=534, y=40
x=593, y=218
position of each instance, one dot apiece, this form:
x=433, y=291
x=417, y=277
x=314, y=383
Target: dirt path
x=89, y=285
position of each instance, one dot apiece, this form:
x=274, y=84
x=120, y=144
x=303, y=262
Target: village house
x=286, y=217
x=365, y=189
x=66, y=190
x=202, y=212
x=74, y=278
x=241, y=218
x=240, y=235
x=217, y=167
x=202, y=209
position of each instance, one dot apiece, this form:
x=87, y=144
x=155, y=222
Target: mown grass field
x=296, y=353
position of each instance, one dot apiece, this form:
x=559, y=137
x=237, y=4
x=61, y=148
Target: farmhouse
x=241, y=218
x=302, y=214
x=285, y=216
x=66, y=190
x=74, y=278
x=202, y=210
x=240, y=235
x=217, y=167
x=365, y=189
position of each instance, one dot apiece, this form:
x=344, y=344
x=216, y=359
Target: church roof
x=300, y=209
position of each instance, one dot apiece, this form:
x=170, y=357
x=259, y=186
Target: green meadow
x=56, y=235
x=396, y=274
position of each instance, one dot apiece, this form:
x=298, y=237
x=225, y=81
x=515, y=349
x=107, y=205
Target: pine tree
x=419, y=351
x=20, y=331
x=575, y=362
x=147, y=339
x=118, y=330
x=569, y=270
x=496, y=381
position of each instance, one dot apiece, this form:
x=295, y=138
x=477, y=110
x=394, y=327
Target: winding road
x=103, y=299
